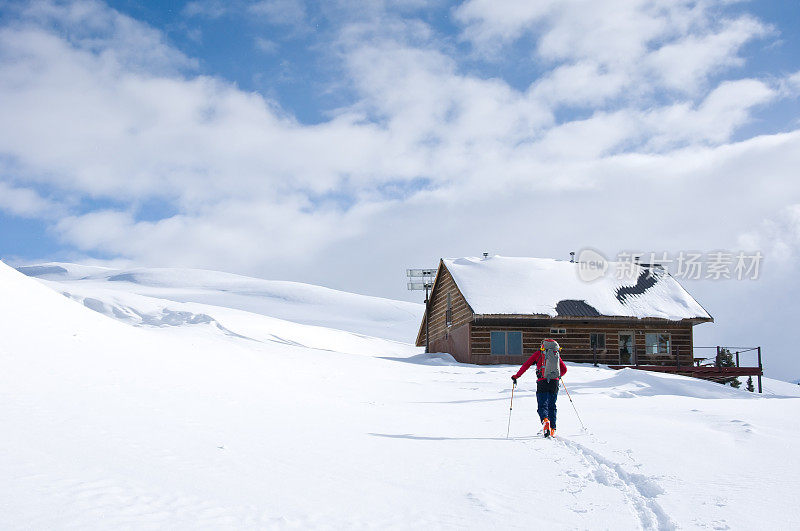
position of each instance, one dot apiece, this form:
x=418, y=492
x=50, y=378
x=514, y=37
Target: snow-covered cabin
x=498, y=310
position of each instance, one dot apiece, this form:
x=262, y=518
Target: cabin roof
x=501, y=285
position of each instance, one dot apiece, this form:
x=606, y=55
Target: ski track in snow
x=638, y=489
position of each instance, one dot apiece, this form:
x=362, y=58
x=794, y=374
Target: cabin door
x=627, y=354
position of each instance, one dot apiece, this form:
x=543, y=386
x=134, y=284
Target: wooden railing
x=708, y=368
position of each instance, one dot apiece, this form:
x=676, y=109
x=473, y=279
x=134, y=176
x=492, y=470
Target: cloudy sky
x=340, y=142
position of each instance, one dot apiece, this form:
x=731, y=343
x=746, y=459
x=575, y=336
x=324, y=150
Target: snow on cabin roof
x=500, y=285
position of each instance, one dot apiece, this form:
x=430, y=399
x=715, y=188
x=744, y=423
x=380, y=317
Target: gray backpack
x=552, y=359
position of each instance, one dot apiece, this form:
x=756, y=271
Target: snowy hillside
x=293, y=301
x=212, y=422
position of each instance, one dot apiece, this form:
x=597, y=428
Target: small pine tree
x=725, y=359
x=750, y=387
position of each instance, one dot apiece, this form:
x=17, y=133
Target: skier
x=549, y=370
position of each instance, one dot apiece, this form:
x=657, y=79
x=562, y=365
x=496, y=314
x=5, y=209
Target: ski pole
x=510, y=408
x=571, y=402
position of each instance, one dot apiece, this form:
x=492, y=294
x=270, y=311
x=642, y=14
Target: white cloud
x=622, y=47
x=684, y=65
x=26, y=202
x=580, y=84
x=235, y=234
x=427, y=103
x=777, y=236
x=91, y=27
x=86, y=122
x=714, y=120
x=489, y=24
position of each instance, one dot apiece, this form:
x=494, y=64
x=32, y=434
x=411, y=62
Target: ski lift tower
x=422, y=279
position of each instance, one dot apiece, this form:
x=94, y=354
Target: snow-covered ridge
x=103, y=289
x=524, y=286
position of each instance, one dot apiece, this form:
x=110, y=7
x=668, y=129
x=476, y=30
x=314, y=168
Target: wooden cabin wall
x=576, y=345
x=462, y=314
x=455, y=343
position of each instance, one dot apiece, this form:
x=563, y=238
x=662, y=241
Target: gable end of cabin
x=450, y=318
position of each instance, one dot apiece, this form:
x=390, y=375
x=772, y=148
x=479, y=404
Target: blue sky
x=340, y=142
x=299, y=69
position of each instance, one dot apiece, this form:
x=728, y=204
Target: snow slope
x=187, y=426
x=293, y=301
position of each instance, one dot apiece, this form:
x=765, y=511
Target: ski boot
x=546, y=427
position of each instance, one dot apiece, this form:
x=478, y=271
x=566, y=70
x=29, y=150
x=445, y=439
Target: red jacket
x=538, y=359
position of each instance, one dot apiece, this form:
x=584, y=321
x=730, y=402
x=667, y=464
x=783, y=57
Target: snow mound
x=433, y=359
x=630, y=383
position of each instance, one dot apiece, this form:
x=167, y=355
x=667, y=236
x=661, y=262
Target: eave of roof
x=604, y=318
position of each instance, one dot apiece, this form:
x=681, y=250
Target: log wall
x=575, y=342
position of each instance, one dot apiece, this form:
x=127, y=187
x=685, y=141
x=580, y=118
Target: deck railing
x=709, y=368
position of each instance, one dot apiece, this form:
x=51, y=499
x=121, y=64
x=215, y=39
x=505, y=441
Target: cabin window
x=597, y=341
x=448, y=314
x=514, y=343
x=657, y=344
x=498, y=342
x=506, y=343
x=626, y=347
x=558, y=331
